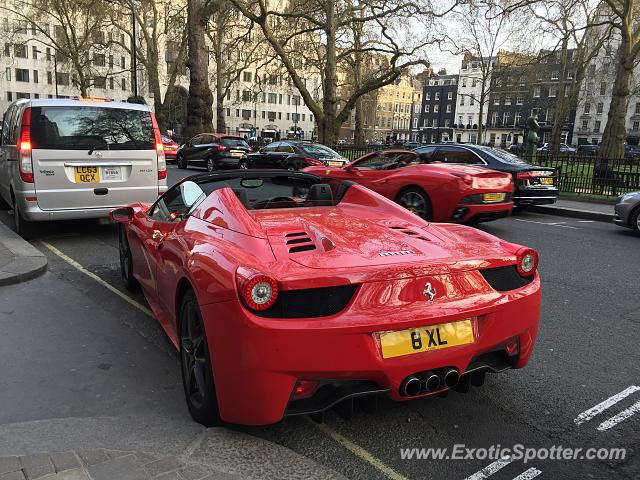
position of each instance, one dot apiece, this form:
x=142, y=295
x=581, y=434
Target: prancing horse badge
x=429, y=291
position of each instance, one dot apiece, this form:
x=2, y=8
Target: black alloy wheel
x=126, y=262
x=416, y=201
x=195, y=361
x=181, y=162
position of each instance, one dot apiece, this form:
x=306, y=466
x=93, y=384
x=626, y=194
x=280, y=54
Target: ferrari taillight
x=527, y=262
x=257, y=291
x=304, y=389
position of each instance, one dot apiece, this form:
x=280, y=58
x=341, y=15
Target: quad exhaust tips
x=429, y=381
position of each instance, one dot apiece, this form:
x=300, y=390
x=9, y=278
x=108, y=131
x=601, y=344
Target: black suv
x=533, y=185
x=212, y=151
x=293, y=155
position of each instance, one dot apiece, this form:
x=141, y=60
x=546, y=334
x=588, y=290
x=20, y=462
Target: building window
x=246, y=114
x=506, y=118
x=34, y=53
x=596, y=128
x=62, y=78
x=636, y=126
x=494, y=118
x=599, y=107
x=471, y=101
x=99, y=59
x=447, y=123
x=553, y=92
x=536, y=92
x=123, y=62
x=123, y=83
x=22, y=75
x=437, y=97
x=450, y=96
x=20, y=51
x=603, y=88
x=496, y=100
x=415, y=123
x=461, y=99
x=9, y=97
x=585, y=125
x=554, y=76
x=587, y=108
x=272, y=98
x=35, y=76
x=49, y=78
x=246, y=76
x=436, y=108
x=246, y=95
x=474, y=82
x=100, y=82
x=518, y=118
x=507, y=100
x=427, y=108
x=549, y=115
x=48, y=54
x=427, y=96
x=111, y=83
x=519, y=100
x=20, y=95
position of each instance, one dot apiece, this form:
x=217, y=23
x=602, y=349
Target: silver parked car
x=627, y=211
x=74, y=159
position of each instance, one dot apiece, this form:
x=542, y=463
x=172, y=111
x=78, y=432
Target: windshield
x=231, y=142
x=320, y=150
x=503, y=155
x=83, y=128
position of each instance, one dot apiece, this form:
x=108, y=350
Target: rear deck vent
x=302, y=248
x=424, y=238
x=396, y=228
x=298, y=240
x=409, y=232
x=296, y=234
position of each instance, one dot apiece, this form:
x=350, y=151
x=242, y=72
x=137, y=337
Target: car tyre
x=242, y=165
x=126, y=262
x=212, y=166
x=22, y=227
x=635, y=221
x=181, y=162
x=195, y=364
x=417, y=201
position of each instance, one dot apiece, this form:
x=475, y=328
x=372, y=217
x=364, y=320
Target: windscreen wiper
x=99, y=146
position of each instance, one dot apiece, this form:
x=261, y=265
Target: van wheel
x=181, y=162
x=24, y=228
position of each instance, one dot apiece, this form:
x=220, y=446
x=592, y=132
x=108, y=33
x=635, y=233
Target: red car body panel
x=445, y=184
x=257, y=361
x=170, y=148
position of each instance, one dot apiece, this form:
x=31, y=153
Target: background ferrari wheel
x=197, y=375
x=181, y=162
x=242, y=165
x=417, y=201
x=126, y=262
x=211, y=165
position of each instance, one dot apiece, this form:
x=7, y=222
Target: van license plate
x=87, y=175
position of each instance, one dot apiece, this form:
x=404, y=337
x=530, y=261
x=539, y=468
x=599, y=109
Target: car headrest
x=320, y=195
x=242, y=195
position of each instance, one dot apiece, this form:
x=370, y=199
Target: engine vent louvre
x=302, y=248
x=296, y=234
x=298, y=240
x=410, y=232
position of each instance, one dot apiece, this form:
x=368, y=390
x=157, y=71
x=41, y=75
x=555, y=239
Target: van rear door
x=93, y=156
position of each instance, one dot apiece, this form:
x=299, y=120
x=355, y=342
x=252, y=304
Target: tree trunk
x=615, y=133
x=483, y=97
x=200, y=100
x=561, y=103
x=221, y=121
x=327, y=126
x=358, y=131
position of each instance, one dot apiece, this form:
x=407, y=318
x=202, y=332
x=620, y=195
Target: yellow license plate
x=237, y=154
x=546, y=181
x=493, y=197
x=87, y=175
x=334, y=164
x=423, y=339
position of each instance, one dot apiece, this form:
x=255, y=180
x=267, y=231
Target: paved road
x=76, y=348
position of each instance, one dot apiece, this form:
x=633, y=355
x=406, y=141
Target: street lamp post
x=134, y=62
x=55, y=69
x=295, y=98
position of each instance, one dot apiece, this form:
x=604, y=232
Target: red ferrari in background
x=170, y=148
x=286, y=295
x=436, y=192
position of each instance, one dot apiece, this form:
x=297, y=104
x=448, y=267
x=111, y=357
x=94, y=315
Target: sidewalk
x=19, y=260
x=602, y=212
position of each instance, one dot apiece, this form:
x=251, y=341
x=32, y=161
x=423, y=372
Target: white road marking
x=360, y=452
x=529, y=474
x=602, y=406
x=620, y=417
x=586, y=221
x=490, y=469
x=547, y=224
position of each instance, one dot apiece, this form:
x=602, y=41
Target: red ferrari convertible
x=287, y=295
x=437, y=191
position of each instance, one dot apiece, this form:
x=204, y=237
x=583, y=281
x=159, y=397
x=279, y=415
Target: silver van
x=74, y=159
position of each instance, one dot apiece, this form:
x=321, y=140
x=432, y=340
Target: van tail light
x=25, y=163
x=162, y=161
x=527, y=262
x=313, y=161
x=257, y=290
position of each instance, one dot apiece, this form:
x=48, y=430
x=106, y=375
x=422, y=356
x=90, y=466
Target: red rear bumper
x=257, y=361
x=481, y=213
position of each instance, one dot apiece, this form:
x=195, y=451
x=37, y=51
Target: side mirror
x=122, y=215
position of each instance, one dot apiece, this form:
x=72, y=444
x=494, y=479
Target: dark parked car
x=293, y=155
x=516, y=148
x=212, y=151
x=564, y=148
x=627, y=211
x=631, y=151
x=588, y=149
x=411, y=145
x=533, y=185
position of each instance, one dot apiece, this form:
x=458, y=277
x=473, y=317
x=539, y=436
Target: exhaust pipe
x=410, y=386
x=430, y=381
x=450, y=377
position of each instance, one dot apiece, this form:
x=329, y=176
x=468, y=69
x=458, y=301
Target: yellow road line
x=357, y=450
x=95, y=277
x=360, y=452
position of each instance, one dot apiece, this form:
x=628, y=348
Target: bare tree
x=315, y=37
x=74, y=29
x=160, y=29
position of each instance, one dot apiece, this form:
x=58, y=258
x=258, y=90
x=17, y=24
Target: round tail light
x=527, y=259
x=259, y=292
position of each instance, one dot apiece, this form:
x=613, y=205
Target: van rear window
x=84, y=128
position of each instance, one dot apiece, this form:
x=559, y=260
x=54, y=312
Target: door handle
x=157, y=236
